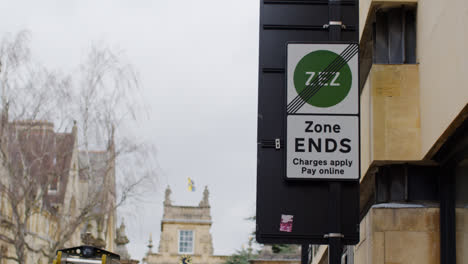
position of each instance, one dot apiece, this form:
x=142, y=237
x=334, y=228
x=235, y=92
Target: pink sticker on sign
x=286, y=223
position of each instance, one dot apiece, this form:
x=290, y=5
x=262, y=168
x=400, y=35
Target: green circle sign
x=322, y=88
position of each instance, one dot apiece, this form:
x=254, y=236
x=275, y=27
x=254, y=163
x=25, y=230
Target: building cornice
x=187, y=221
x=187, y=206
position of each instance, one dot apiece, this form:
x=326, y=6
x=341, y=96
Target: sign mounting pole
x=335, y=247
x=305, y=253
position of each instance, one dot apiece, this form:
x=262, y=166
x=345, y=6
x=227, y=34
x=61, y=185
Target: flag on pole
x=191, y=185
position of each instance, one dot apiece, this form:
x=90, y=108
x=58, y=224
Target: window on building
x=53, y=186
x=394, y=36
x=185, y=241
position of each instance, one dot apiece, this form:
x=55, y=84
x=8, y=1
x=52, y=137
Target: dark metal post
x=447, y=216
x=334, y=15
x=305, y=253
x=335, y=248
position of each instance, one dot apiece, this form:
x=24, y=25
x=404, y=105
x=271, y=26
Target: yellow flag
x=191, y=185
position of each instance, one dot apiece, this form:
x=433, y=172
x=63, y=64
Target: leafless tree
x=97, y=104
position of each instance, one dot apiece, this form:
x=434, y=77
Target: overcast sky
x=197, y=62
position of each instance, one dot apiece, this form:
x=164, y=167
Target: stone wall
x=399, y=236
x=441, y=47
x=395, y=108
x=168, y=245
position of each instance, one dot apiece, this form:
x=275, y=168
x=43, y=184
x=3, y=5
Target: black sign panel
x=296, y=212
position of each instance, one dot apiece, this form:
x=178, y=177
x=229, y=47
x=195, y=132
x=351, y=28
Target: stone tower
x=185, y=230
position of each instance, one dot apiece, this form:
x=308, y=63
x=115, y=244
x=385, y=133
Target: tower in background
x=185, y=230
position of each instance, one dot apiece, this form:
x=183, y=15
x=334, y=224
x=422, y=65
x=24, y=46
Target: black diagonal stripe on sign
x=345, y=56
x=317, y=82
x=296, y=101
x=322, y=79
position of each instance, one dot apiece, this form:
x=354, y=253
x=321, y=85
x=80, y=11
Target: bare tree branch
x=95, y=102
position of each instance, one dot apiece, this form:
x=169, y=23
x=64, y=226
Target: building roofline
x=187, y=206
x=190, y=221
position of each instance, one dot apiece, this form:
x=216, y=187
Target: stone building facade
x=414, y=133
x=185, y=230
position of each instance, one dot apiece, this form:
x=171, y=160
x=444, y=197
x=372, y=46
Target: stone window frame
x=179, y=241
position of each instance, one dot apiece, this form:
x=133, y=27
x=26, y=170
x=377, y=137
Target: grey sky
x=197, y=62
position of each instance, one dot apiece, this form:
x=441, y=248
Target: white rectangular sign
x=322, y=147
x=322, y=117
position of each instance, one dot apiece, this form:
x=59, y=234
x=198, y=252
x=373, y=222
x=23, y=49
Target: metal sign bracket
x=277, y=143
x=331, y=235
x=335, y=23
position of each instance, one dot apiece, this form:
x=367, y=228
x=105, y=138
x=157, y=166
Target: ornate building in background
x=185, y=231
x=35, y=147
